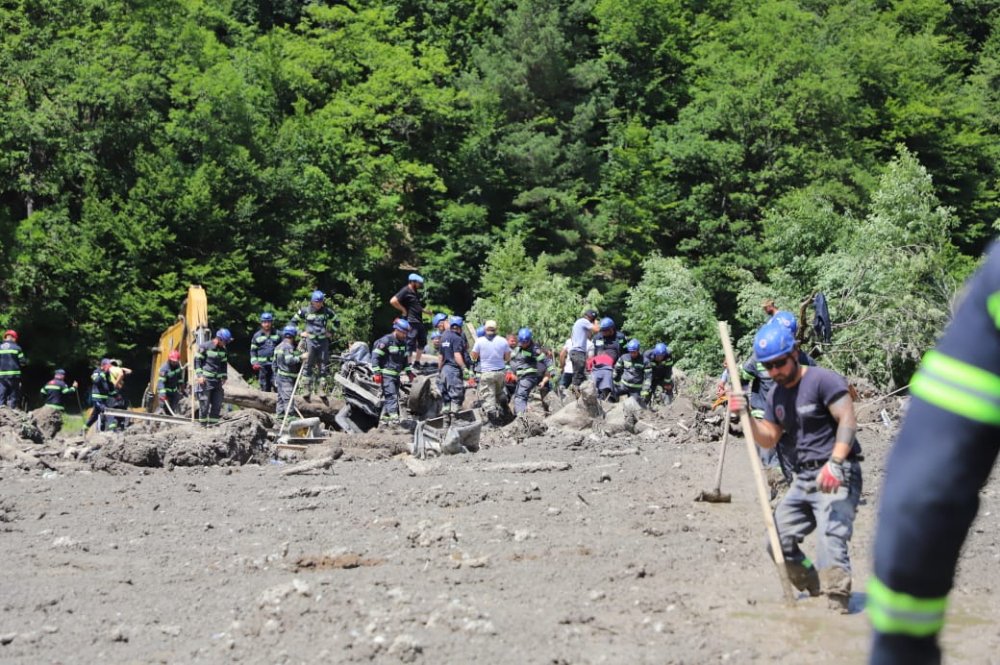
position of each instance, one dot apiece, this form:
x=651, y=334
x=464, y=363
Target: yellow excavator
x=184, y=336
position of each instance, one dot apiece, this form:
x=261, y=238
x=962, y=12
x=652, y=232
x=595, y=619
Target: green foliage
x=519, y=292
x=355, y=308
x=670, y=305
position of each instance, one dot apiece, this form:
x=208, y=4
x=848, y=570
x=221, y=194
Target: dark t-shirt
x=802, y=411
x=452, y=343
x=410, y=300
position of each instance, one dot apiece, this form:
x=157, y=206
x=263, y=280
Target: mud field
x=546, y=546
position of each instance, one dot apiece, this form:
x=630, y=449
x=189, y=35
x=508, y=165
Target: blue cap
x=524, y=335
x=787, y=319
x=414, y=277
x=633, y=345
x=266, y=316
x=438, y=318
x=224, y=334
x=456, y=321
x=661, y=349
x=60, y=371
x=289, y=331
x=105, y=362
x=436, y=334
x=401, y=324
x=607, y=323
x=317, y=296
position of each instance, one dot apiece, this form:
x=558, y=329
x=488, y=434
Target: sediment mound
x=20, y=425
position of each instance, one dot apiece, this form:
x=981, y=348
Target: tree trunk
x=268, y=402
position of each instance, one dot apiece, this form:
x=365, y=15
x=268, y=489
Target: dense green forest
x=669, y=161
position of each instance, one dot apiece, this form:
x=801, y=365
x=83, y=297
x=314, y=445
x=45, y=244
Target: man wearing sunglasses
x=810, y=413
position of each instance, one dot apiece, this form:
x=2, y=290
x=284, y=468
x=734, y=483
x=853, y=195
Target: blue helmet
x=317, y=296
x=224, y=334
x=481, y=331
x=661, y=349
x=414, y=277
x=772, y=341
x=456, y=321
x=607, y=323
x=438, y=318
x=60, y=372
x=289, y=331
x=266, y=316
x=524, y=335
x=436, y=334
x=401, y=325
x=787, y=319
x=633, y=345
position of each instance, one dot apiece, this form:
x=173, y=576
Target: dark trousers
x=285, y=385
x=210, y=402
x=317, y=364
x=10, y=391
x=525, y=385
x=390, y=396
x=579, y=359
x=97, y=415
x=265, y=376
x=453, y=392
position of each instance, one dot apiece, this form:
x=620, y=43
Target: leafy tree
x=670, y=305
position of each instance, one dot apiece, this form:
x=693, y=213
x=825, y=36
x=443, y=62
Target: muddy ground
x=563, y=547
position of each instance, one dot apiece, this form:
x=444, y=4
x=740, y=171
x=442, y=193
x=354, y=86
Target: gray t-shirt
x=582, y=330
x=803, y=412
x=491, y=353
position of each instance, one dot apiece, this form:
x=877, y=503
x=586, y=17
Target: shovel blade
x=715, y=496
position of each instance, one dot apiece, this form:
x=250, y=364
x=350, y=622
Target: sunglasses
x=774, y=364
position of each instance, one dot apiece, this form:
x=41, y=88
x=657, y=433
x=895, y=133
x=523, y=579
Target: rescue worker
x=942, y=458
x=170, y=384
x=262, y=345
x=761, y=385
x=117, y=399
x=528, y=367
x=452, y=367
x=661, y=365
x=56, y=389
x=583, y=330
x=211, y=367
x=607, y=350
x=100, y=392
x=769, y=309
x=287, y=364
x=810, y=410
x=318, y=320
x=632, y=373
x=408, y=302
x=11, y=360
x=492, y=353
x=391, y=360
x=434, y=348
x=440, y=322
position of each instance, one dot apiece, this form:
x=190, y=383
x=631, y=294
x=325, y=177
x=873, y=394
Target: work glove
x=466, y=373
x=471, y=382
x=256, y=367
x=411, y=376
x=378, y=379
x=831, y=477
x=163, y=398
x=645, y=395
x=510, y=377
x=737, y=402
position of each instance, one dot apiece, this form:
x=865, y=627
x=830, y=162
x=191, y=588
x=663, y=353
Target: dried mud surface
x=547, y=546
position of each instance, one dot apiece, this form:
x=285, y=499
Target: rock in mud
x=20, y=425
x=48, y=421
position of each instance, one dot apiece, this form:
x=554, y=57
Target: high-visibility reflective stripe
x=12, y=372
x=993, y=307
x=956, y=386
x=290, y=375
x=900, y=613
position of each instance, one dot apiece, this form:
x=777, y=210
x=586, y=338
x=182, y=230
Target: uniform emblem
x=779, y=411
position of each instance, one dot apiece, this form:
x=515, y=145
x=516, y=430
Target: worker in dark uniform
x=529, y=367
x=452, y=366
x=408, y=302
x=211, y=367
x=287, y=362
x=391, y=360
x=632, y=374
x=11, y=360
x=661, y=377
x=753, y=372
x=101, y=389
x=811, y=411
x=56, y=389
x=942, y=458
x=607, y=350
x=319, y=320
x=262, y=346
x=170, y=384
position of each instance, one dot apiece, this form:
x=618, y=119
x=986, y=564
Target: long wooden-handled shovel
x=762, y=493
x=716, y=496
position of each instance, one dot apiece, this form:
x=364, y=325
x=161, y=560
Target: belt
x=601, y=366
x=812, y=465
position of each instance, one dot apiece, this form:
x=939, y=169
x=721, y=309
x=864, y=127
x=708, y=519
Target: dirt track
x=456, y=559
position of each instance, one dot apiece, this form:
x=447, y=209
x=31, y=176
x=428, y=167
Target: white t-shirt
x=568, y=348
x=491, y=353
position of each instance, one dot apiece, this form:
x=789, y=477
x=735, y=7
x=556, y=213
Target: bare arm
x=394, y=301
x=842, y=410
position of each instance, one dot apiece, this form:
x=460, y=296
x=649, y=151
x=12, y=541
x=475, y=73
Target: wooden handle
x=762, y=494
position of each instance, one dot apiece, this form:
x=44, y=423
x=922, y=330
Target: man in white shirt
x=493, y=355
